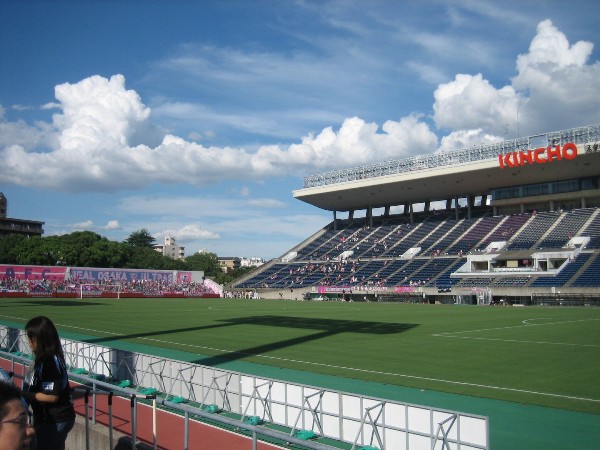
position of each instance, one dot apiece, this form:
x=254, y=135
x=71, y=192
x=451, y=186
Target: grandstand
x=515, y=222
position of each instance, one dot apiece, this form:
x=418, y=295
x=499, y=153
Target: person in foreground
x=16, y=432
x=46, y=387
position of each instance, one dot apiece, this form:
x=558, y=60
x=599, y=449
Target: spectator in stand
x=16, y=431
x=46, y=386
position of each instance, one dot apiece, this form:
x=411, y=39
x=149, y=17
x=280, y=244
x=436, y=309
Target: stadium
x=511, y=224
x=514, y=222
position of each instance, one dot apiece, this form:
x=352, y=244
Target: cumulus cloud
x=465, y=139
x=22, y=135
x=189, y=233
x=91, y=146
x=471, y=102
x=102, y=137
x=50, y=105
x=358, y=142
x=564, y=89
x=112, y=225
x=554, y=88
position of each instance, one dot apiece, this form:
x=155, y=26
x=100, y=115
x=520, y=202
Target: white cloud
x=550, y=49
x=86, y=225
x=91, y=148
x=465, y=139
x=112, y=225
x=20, y=107
x=50, y=105
x=564, y=89
x=188, y=233
x=358, y=142
x=555, y=88
x=471, y=102
x=267, y=203
x=428, y=72
x=99, y=139
x=19, y=134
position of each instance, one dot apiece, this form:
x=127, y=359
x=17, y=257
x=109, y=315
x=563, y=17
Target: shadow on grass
x=324, y=327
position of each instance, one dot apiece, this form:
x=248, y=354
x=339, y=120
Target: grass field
x=539, y=356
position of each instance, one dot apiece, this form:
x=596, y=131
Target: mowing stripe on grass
x=354, y=369
x=526, y=324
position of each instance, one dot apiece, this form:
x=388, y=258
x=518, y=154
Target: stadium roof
x=458, y=174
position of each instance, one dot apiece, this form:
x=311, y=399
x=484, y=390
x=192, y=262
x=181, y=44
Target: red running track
x=169, y=428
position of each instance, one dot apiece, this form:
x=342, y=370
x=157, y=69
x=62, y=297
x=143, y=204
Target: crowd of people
x=145, y=287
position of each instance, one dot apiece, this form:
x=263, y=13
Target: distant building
x=229, y=264
x=171, y=249
x=252, y=262
x=17, y=226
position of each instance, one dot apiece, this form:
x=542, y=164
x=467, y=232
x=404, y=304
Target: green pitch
x=537, y=356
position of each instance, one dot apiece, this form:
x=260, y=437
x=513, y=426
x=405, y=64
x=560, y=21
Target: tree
x=141, y=257
x=79, y=248
x=141, y=238
x=34, y=250
x=204, y=261
x=9, y=248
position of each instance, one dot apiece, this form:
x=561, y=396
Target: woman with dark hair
x=46, y=386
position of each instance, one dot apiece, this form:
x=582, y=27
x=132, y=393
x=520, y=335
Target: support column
x=470, y=205
x=334, y=220
x=456, y=208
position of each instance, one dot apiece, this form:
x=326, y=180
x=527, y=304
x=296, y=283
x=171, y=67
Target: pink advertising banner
x=404, y=289
x=8, y=272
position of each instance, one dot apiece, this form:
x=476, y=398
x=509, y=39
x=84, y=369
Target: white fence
x=365, y=422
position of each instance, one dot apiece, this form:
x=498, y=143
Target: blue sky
x=199, y=119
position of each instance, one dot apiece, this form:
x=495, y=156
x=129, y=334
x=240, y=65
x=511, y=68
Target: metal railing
x=351, y=420
x=579, y=135
x=188, y=412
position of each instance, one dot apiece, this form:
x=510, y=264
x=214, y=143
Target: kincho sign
x=540, y=155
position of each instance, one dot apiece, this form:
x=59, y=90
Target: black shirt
x=49, y=376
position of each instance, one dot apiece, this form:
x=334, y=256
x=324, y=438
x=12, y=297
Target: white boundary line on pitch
x=453, y=334
x=354, y=369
